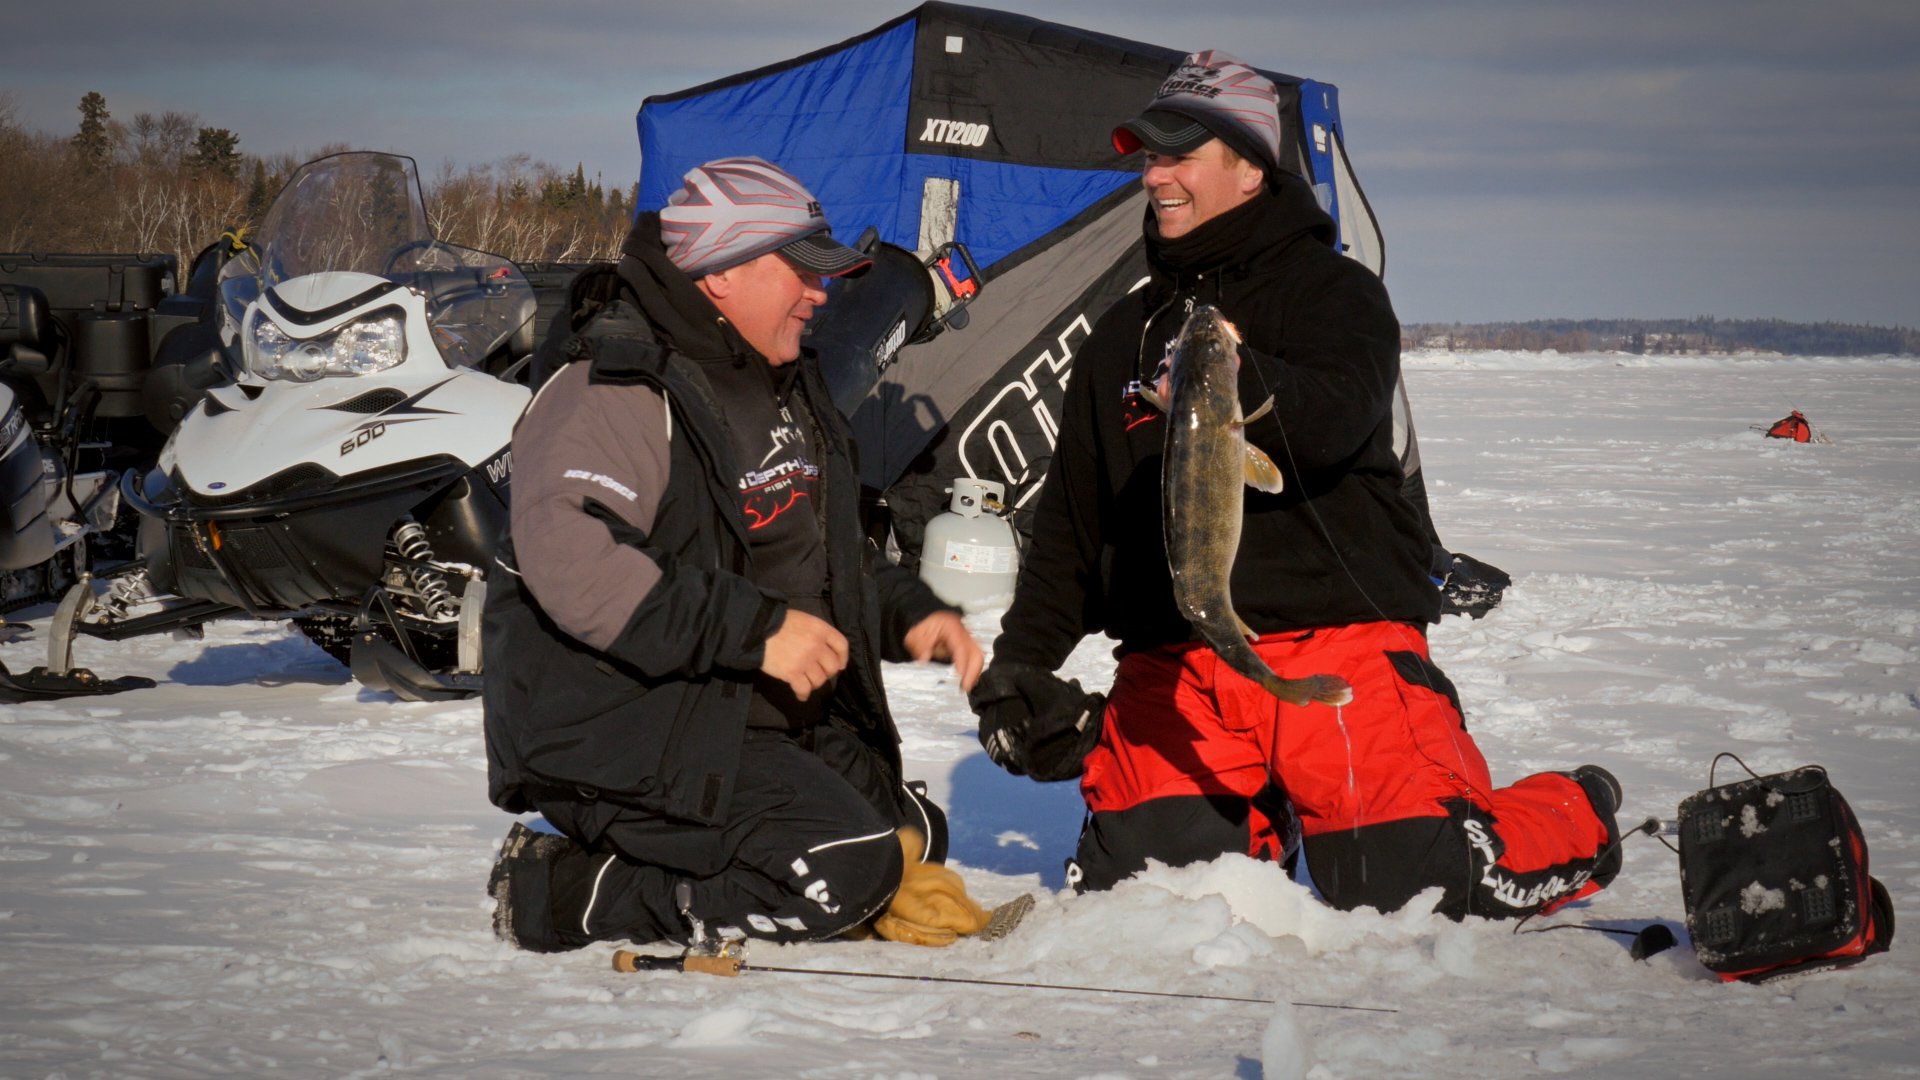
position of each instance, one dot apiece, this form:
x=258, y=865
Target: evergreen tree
x=388, y=201
x=258, y=196
x=93, y=143
x=214, y=151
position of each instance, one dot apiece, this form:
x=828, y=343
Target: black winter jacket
x=654, y=722
x=1340, y=545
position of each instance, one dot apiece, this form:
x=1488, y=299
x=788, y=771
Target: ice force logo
x=1191, y=78
x=955, y=133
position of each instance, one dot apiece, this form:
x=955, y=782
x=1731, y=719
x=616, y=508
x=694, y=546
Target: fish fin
x=1261, y=473
x=1152, y=394
x=1331, y=689
x=1325, y=689
x=1246, y=631
x=1265, y=408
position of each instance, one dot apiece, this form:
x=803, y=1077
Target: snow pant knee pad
x=1386, y=864
x=1383, y=866
x=841, y=887
x=1773, y=870
x=1176, y=830
x=822, y=893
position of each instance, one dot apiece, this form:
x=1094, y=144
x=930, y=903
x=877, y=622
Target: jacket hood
x=676, y=308
x=1274, y=219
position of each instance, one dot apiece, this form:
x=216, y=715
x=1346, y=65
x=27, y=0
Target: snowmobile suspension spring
x=410, y=537
x=127, y=591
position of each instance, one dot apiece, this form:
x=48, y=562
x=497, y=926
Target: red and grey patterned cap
x=1209, y=95
x=734, y=210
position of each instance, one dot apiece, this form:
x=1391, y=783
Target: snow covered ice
x=257, y=868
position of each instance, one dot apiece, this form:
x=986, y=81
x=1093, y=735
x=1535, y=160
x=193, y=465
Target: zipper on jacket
x=1189, y=293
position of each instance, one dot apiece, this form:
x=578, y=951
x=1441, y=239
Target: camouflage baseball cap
x=734, y=210
x=1210, y=95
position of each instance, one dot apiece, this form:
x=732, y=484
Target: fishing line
x=1398, y=626
x=1650, y=827
x=1326, y=534
x=1407, y=640
x=630, y=962
x=1468, y=872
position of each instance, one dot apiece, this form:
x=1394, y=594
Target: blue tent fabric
x=822, y=121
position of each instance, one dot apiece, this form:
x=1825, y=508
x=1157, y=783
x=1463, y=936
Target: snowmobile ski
x=43, y=685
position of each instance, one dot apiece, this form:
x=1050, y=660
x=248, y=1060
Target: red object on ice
x=1792, y=426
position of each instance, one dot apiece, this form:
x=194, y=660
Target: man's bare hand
x=805, y=652
x=943, y=637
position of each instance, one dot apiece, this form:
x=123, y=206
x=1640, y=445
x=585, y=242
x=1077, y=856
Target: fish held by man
x=1207, y=461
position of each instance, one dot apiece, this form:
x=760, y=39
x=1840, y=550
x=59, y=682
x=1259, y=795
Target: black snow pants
x=810, y=845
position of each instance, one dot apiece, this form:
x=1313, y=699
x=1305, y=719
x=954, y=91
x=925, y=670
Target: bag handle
x=1711, y=782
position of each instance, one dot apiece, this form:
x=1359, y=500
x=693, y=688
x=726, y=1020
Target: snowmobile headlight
x=266, y=346
x=305, y=362
x=369, y=345
x=359, y=348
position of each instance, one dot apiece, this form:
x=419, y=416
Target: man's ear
x=717, y=285
x=1252, y=177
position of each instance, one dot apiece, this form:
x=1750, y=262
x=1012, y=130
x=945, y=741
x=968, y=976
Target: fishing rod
x=729, y=965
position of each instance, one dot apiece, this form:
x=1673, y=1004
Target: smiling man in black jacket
x=683, y=653
x=1185, y=759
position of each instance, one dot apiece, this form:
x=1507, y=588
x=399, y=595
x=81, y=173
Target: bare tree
x=165, y=182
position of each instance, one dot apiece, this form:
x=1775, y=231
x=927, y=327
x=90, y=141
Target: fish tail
x=1326, y=689
x=1329, y=689
x=1241, y=657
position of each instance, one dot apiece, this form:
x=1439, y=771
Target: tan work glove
x=932, y=906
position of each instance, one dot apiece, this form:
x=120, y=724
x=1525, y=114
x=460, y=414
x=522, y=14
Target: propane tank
x=970, y=555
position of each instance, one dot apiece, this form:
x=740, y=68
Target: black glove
x=1034, y=723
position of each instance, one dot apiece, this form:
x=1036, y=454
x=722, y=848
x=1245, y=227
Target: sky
x=1526, y=158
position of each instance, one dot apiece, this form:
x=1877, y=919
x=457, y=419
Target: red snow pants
x=1391, y=793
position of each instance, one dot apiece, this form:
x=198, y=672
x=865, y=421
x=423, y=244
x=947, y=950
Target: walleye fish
x=1207, y=461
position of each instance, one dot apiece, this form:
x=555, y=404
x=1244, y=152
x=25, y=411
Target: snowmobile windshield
x=363, y=213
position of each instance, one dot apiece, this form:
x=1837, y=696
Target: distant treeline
x=168, y=183
x=1703, y=334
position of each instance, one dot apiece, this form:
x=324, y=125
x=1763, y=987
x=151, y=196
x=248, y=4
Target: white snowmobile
x=353, y=477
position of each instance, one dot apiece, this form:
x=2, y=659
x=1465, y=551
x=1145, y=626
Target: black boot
x=541, y=886
x=1603, y=792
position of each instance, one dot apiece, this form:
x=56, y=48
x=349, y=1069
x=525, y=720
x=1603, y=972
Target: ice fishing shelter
x=994, y=129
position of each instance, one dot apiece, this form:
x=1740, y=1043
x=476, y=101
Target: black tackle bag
x=1774, y=872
